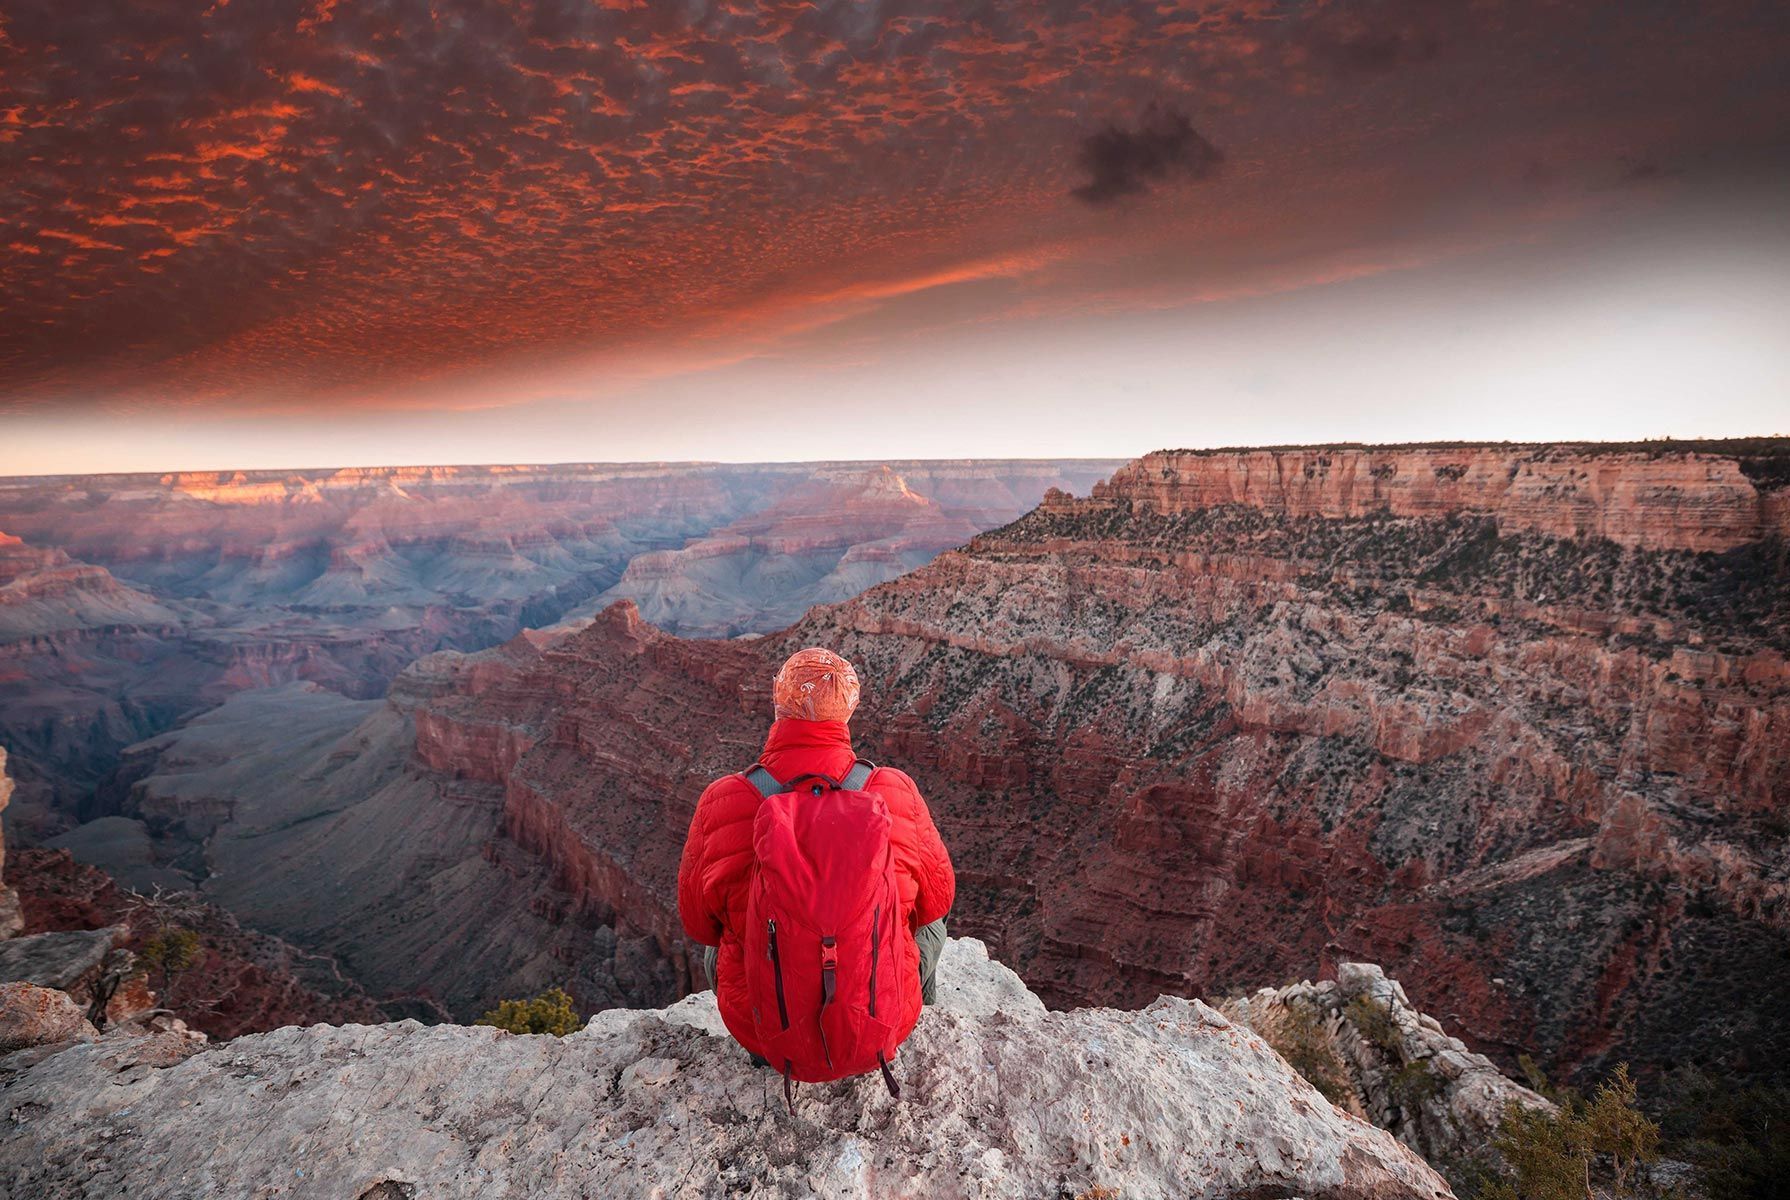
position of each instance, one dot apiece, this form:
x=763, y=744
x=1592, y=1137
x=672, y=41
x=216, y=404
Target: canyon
x=826, y=540
x=1513, y=721
x=130, y=602
x=68, y=926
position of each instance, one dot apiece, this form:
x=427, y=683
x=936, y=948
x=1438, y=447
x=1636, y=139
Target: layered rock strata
x=311, y=817
x=1186, y=741
x=1658, y=497
x=1189, y=745
x=824, y=541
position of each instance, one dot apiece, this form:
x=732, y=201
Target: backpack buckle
x=814, y=783
x=829, y=963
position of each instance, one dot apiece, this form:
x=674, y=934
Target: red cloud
x=245, y=205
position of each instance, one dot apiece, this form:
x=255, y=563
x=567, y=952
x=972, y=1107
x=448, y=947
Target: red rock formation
x=1656, y=499
x=1215, y=727
x=36, y=1016
x=243, y=982
x=12, y=919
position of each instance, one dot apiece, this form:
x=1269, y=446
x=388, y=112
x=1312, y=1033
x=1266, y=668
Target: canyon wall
x=1655, y=498
x=845, y=530
x=312, y=817
x=1174, y=747
x=1193, y=747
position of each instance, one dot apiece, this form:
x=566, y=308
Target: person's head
x=815, y=685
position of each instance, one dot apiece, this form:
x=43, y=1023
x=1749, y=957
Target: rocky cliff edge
x=1002, y=1099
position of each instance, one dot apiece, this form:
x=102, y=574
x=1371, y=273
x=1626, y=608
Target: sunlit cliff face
x=638, y=226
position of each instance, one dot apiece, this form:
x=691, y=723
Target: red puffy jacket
x=717, y=863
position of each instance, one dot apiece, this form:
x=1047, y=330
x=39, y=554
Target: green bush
x=550, y=1012
x=171, y=951
x=1545, y=1155
x=1301, y=1039
x=1373, y=1020
x=1737, y=1138
x=1615, y=1129
x=1551, y=1154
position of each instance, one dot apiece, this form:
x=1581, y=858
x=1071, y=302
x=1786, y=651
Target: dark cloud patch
x=1123, y=162
x=1375, y=51
x=1641, y=172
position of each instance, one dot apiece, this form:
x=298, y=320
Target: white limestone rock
x=1408, y=1074
x=972, y=983
x=1170, y=1101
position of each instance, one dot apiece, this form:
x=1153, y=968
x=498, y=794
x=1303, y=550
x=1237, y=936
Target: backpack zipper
x=876, y=945
x=829, y=965
x=777, y=975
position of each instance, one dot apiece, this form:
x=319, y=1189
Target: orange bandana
x=815, y=685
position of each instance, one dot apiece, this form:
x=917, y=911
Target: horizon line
x=1700, y=445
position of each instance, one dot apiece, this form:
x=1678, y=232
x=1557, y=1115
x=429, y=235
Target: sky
x=240, y=233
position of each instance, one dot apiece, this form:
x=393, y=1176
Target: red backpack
x=822, y=959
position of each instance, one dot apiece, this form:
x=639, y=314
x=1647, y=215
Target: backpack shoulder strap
x=768, y=785
x=765, y=783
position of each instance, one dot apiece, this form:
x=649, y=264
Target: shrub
x=550, y=1012
x=1550, y=1154
x=1545, y=1154
x=1373, y=1021
x=1414, y=1083
x=1737, y=1138
x=171, y=951
x=1616, y=1130
x=1301, y=1038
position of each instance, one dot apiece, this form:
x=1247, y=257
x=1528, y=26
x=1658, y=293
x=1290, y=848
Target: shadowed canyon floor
x=1514, y=721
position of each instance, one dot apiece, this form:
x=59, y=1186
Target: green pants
x=929, y=938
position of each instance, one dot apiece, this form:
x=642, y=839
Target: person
x=814, y=695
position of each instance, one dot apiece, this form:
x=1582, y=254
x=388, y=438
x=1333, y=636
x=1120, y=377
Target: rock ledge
x=1002, y=1099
